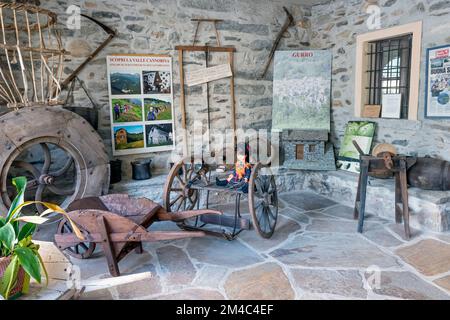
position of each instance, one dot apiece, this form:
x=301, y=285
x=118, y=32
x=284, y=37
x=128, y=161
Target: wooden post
x=362, y=193
x=404, y=191
x=108, y=248
x=183, y=103
x=233, y=100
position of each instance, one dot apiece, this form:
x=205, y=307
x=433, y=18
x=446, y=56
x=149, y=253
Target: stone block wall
x=336, y=25
x=157, y=26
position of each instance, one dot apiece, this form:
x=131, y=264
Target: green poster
x=362, y=132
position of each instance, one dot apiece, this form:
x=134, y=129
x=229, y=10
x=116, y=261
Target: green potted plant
x=19, y=256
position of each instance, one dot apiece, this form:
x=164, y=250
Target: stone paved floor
x=315, y=253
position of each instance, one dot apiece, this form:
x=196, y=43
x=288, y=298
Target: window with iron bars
x=388, y=70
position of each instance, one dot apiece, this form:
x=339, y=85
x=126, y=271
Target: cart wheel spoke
x=29, y=167
x=61, y=191
x=181, y=181
x=175, y=200
x=47, y=158
x=64, y=169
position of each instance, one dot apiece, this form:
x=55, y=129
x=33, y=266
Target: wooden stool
x=397, y=165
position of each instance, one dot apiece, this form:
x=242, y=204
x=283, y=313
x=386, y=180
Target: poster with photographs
x=437, y=104
x=141, y=103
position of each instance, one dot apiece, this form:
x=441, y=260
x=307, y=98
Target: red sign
x=442, y=53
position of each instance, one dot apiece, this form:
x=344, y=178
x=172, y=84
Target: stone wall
x=336, y=25
x=157, y=26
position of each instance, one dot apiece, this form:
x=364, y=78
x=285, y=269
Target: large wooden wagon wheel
x=178, y=194
x=62, y=155
x=263, y=200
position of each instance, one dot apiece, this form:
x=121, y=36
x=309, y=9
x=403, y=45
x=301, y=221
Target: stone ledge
x=430, y=209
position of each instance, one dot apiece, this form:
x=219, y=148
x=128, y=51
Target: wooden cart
x=119, y=223
x=186, y=182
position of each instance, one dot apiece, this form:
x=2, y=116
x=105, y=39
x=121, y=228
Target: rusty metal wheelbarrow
x=119, y=223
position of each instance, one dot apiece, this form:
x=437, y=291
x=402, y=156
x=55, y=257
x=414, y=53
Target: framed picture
x=141, y=103
x=363, y=133
x=302, y=90
x=437, y=96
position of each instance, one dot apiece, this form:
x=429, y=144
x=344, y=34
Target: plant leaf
x=30, y=262
x=32, y=219
x=2, y=221
x=26, y=283
x=54, y=208
x=43, y=268
x=27, y=230
x=7, y=236
x=9, y=277
x=20, y=183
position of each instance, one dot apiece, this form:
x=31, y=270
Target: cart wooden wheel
x=60, y=153
x=178, y=194
x=83, y=250
x=263, y=200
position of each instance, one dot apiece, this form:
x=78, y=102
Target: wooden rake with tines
x=119, y=224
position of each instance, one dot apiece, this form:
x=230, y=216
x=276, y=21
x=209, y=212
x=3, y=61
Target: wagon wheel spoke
x=61, y=191
x=64, y=169
x=176, y=199
x=38, y=197
x=47, y=158
x=28, y=167
x=85, y=247
x=271, y=215
x=259, y=190
x=180, y=180
x=179, y=205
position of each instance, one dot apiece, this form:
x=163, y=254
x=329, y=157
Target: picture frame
x=141, y=103
x=437, y=94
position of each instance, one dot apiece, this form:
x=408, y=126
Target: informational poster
x=437, y=103
x=362, y=132
x=141, y=103
x=302, y=90
x=205, y=75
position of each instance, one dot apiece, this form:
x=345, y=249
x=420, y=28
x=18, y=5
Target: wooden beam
x=183, y=103
x=206, y=48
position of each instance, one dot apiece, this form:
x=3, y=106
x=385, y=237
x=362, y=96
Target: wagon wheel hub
x=266, y=199
x=46, y=179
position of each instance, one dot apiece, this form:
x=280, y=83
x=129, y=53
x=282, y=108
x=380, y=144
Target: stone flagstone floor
x=315, y=253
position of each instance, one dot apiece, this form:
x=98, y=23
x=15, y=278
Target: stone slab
x=176, y=268
x=430, y=257
x=307, y=201
x=443, y=283
x=221, y=252
x=339, y=226
x=210, y=276
x=191, y=294
x=285, y=227
x=332, y=250
x=382, y=237
x=296, y=215
x=406, y=285
x=347, y=283
x=263, y=282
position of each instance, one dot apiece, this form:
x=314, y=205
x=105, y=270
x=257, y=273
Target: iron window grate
x=388, y=70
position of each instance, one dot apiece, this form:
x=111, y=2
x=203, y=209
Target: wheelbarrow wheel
x=178, y=194
x=82, y=250
x=263, y=200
